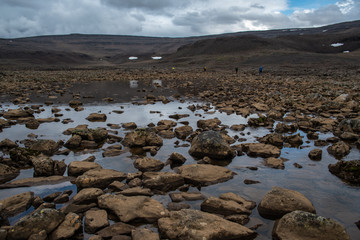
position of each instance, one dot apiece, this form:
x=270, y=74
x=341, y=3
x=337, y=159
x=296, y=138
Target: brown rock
x=95, y=220
x=7, y=173
x=186, y=196
x=315, y=154
x=77, y=168
x=147, y=164
x=223, y=207
x=163, y=181
x=87, y=195
x=143, y=233
x=261, y=150
x=97, y=117
x=339, y=149
x=183, y=131
x=13, y=205
x=116, y=229
x=98, y=178
x=67, y=228
x=275, y=163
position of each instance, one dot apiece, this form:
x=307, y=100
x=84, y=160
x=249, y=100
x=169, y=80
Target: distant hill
x=284, y=46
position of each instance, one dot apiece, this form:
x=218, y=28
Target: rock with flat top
x=16, y=204
x=77, y=168
x=163, y=181
x=148, y=164
x=99, y=178
x=95, y=220
x=67, y=228
x=261, y=150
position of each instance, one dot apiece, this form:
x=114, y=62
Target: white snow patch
x=346, y=51
x=156, y=58
x=336, y=44
x=133, y=58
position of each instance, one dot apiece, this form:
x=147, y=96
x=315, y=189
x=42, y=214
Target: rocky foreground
x=111, y=204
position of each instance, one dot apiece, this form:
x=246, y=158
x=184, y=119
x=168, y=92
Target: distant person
x=204, y=69
x=260, y=70
x=173, y=68
x=236, y=70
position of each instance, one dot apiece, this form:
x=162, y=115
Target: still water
x=331, y=197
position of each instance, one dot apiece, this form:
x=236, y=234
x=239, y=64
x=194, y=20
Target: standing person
x=260, y=70
x=204, y=69
x=236, y=70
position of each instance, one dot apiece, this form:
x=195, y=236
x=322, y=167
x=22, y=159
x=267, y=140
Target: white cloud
x=19, y=18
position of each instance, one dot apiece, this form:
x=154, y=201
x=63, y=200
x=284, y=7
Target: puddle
x=331, y=197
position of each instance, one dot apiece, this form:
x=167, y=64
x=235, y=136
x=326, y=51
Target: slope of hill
x=273, y=46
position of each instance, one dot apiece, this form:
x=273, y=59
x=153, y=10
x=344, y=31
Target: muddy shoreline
x=291, y=112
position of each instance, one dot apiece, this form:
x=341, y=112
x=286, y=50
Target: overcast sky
x=169, y=18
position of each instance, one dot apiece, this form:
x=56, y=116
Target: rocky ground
x=111, y=204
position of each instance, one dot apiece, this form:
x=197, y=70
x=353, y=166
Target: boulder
x=300, y=225
x=186, y=196
x=67, y=228
x=97, y=117
x=137, y=191
x=177, y=158
x=42, y=219
x=294, y=140
x=77, y=168
x=74, y=142
x=275, y=163
x=240, y=200
x=45, y=146
x=8, y=173
x=238, y=127
x=204, y=174
x=129, y=125
x=115, y=229
x=141, y=138
x=261, y=150
x=98, y=178
x=208, y=124
x=17, y=113
x=197, y=225
x=95, y=220
x=163, y=181
x=87, y=195
x=75, y=103
x=339, y=149
x=21, y=157
x=279, y=201
x=349, y=171
x=44, y=166
x=136, y=208
x=315, y=154
x=13, y=205
x=148, y=164
x=211, y=144
x=183, y=131
x=143, y=233
x=223, y=207
x=7, y=144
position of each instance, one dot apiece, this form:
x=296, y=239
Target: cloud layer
x=22, y=18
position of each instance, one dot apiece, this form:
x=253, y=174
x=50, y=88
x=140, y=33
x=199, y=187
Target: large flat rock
x=204, y=174
x=99, y=178
x=197, y=225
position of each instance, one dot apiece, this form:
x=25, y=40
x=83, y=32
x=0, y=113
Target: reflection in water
x=134, y=83
x=157, y=83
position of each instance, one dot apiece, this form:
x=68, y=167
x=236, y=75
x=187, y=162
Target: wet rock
x=137, y=191
x=7, y=173
x=45, y=166
x=45, y=146
x=13, y=205
x=67, y=228
x=137, y=208
x=348, y=171
x=208, y=124
x=129, y=125
x=51, y=197
x=177, y=158
x=284, y=128
x=77, y=168
x=348, y=136
x=163, y=181
x=261, y=121
x=315, y=154
x=95, y=220
x=178, y=116
x=21, y=157
x=350, y=125
x=17, y=113
x=148, y=164
x=97, y=117
x=141, y=138
x=294, y=140
x=249, y=181
x=75, y=103
x=186, y=196
x=98, y=178
x=175, y=206
x=28, y=182
x=312, y=136
x=339, y=149
x=45, y=219
x=143, y=233
x=261, y=150
x=87, y=195
x=77, y=208
x=37, y=201
x=197, y=225
x=211, y=144
x=168, y=123
x=279, y=201
x=74, y=142
x=98, y=135
x=204, y=174
x=183, y=132
x=116, y=229
x=114, y=150
x=223, y=207
x=7, y=144
x=275, y=163
x=240, y=200
x=63, y=198
x=238, y=127
x=306, y=226
x=86, y=144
